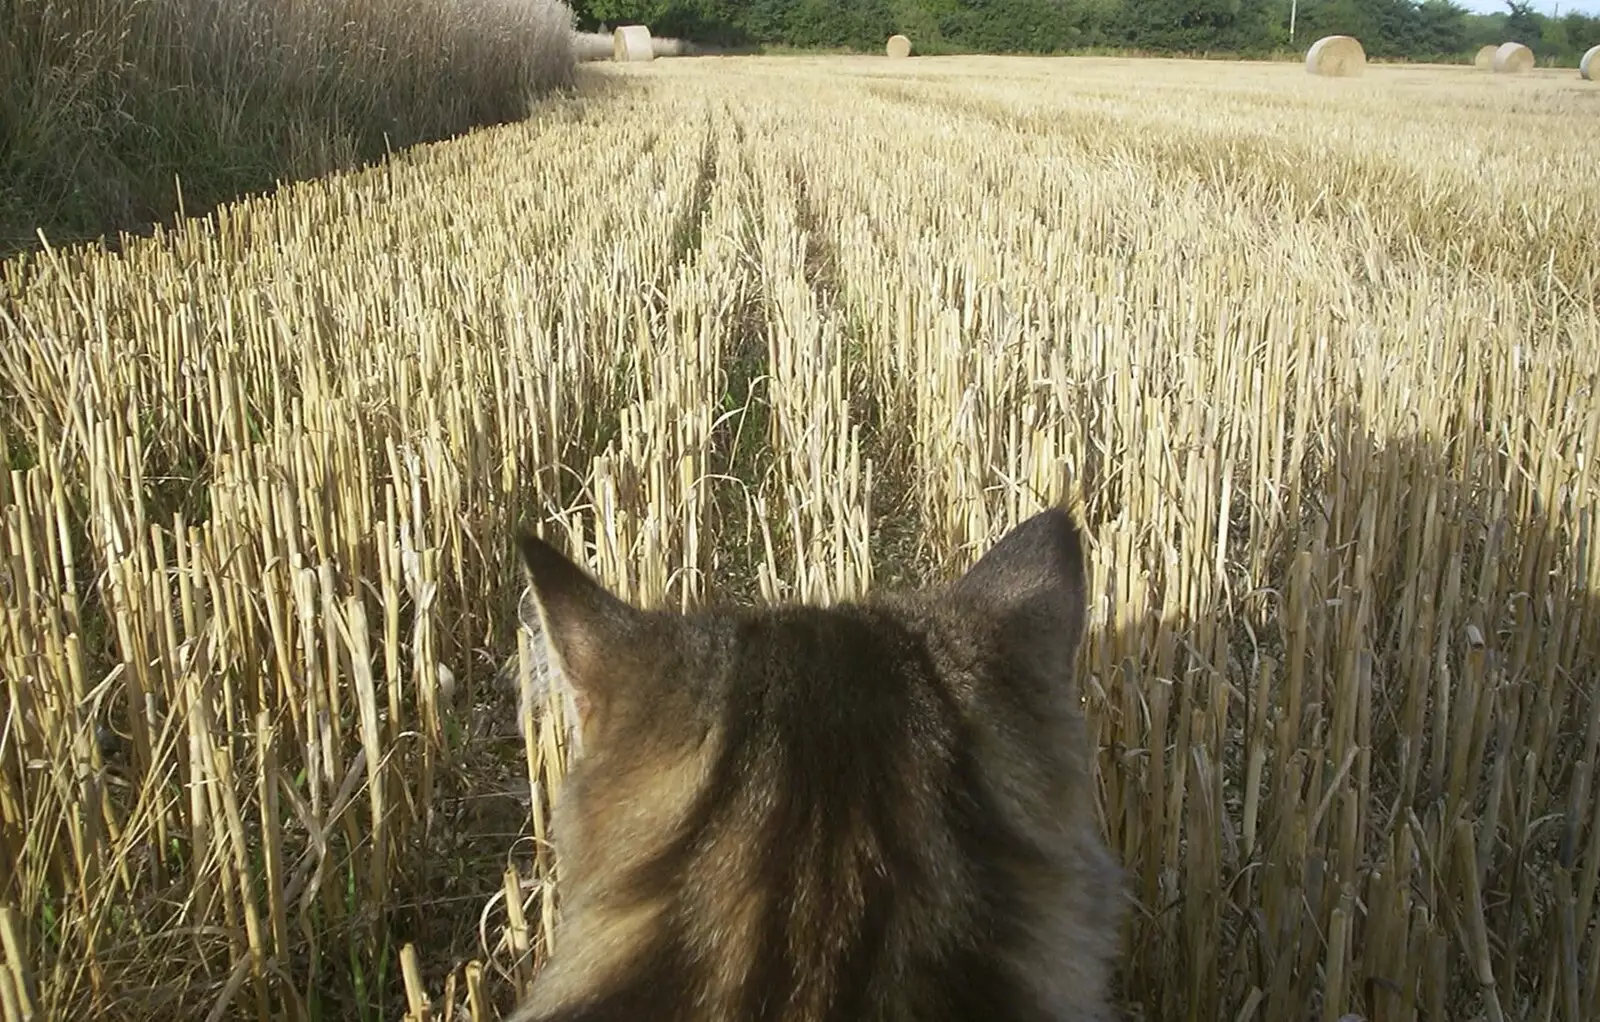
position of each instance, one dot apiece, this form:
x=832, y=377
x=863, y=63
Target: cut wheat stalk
x=1337, y=476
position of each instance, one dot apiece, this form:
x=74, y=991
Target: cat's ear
x=588, y=631
x=1033, y=582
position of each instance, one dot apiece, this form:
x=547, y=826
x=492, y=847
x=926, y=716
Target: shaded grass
x=115, y=114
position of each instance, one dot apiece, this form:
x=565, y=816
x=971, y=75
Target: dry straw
x=1484, y=61
x=1512, y=59
x=1336, y=56
x=632, y=42
x=1587, y=65
x=899, y=46
x=1342, y=513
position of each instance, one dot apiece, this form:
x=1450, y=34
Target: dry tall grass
x=1314, y=361
x=103, y=103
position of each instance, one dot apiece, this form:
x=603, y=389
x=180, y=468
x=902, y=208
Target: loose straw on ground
x=1512, y=58
x=632, y=42
x=1336, y=56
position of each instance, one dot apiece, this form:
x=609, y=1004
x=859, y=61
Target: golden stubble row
x=772, y=329
x=1310, y=446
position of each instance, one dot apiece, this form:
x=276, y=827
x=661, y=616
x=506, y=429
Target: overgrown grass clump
x=112, y=112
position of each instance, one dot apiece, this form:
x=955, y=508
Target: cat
x=878, y=811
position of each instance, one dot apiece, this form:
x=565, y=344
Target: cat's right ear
x=587, y=629
x=1034, y=583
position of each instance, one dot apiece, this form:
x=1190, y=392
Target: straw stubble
x=1337, y=475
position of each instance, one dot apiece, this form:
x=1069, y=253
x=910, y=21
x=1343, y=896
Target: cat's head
x=654, y=693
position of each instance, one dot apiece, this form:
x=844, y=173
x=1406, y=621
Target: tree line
x=1409, y=29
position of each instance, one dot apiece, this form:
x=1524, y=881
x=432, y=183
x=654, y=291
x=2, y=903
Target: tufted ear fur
x=1033, y=583
x=587, y=631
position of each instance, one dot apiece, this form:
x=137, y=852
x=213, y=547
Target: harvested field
x=1314, y=361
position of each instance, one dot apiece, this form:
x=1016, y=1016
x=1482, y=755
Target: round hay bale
x=632, y=42
x=1484, y=61
x=1512, y=59
x=899, y=47
x=1336, y=56
x=1589, y=66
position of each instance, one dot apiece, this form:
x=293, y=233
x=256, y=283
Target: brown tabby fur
x=875, y=812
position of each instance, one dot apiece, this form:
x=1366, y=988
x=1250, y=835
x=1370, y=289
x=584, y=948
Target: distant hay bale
x=1336, y=56
x=588, y=46
x=1589, y=66
x=899, y=46
x=632, y=42
x=1512, y=59
x=1484, y=61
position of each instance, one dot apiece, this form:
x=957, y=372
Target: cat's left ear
x=588, y=629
